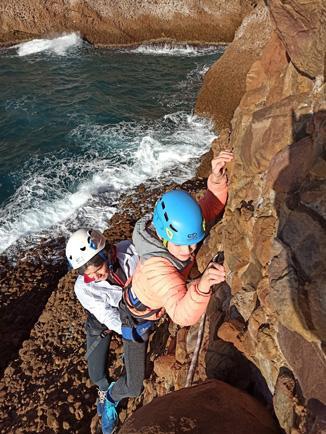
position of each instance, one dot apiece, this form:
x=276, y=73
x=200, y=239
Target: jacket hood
x=148, y=245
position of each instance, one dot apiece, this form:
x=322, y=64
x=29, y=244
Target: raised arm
x=213, y=202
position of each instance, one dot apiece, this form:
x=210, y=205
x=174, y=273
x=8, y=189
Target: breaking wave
x=69, y=192
x=81, y=128
x=177, y=50
x=58, y=45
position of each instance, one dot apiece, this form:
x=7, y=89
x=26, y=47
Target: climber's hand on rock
x=218, y=166
x=213, y=275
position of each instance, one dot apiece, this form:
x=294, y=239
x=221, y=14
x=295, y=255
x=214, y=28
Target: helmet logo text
x=169, y=233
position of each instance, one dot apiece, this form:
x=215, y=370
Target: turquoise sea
x=79, y=126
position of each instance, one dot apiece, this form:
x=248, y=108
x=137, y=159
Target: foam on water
x=176, y=50
x=84, y=190
x=96, y=141
x=58, y=45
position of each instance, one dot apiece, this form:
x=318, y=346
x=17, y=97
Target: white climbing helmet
x=83, y=245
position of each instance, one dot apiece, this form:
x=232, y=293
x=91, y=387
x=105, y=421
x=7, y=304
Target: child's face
x=98, y=273
x=182, y=253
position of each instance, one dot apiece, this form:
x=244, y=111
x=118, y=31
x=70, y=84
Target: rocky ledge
x=120, y=22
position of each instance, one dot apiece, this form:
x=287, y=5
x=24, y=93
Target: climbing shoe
x=100, y=401
x=106, y=408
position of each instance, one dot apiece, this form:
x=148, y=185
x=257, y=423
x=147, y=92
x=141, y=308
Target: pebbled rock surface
x=123, y=21
x=273, y=231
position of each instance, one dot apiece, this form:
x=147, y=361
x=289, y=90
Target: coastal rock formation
x=212, y=407
x=265, y=331
x=124, y=21
x=225, y=81
x=273, y=231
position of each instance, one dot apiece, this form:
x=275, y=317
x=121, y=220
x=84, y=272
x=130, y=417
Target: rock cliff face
x=123, y=21
x=273, y=231
x=266, y=95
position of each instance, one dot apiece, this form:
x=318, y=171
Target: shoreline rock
x=150, y=42
x=123, y=21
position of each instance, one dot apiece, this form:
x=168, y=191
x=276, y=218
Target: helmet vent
x=83, y=249
x=166, y=216
x=163, y=205
x=173, y=228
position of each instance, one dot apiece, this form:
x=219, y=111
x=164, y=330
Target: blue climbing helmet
x=178, y=218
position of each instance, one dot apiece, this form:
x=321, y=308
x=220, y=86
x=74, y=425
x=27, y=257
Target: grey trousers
x=97, y=360
x=131, y=383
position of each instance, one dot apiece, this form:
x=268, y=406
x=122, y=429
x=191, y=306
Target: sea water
x=79, y=126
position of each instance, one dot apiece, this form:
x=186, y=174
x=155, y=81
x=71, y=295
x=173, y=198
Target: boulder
x=212, y=407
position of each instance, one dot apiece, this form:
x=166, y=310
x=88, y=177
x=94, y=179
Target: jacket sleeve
x=214, y=200
x=127, y=256
x=184, y=304
x=99, y=306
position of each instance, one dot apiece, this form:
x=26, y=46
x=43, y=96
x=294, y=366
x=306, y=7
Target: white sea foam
x=72, y=192
x=58, y=45
x=176, y=50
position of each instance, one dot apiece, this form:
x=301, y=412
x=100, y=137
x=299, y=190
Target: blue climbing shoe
x=107, y=410
x=100, y=401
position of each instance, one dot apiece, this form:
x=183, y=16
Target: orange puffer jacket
x=160, y=279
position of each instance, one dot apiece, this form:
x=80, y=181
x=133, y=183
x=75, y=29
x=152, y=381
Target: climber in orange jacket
x=166, y=246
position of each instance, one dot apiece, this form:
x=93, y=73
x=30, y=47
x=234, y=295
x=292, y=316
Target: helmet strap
x=165, y=243
x=103, y=255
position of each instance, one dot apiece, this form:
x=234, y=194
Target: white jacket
x=102, y=298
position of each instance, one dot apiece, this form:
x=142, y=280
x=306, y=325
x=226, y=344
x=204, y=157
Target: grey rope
x=194, y=358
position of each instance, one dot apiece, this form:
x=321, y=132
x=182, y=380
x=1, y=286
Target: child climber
x=166, y=245
x=103, y=271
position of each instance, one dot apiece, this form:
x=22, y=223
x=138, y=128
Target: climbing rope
x=219, y=259
x=195, y=355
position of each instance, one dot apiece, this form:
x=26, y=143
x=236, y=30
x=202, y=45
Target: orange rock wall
x=273, y=231
x=123, y=21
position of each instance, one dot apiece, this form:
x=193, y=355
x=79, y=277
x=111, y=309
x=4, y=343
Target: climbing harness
x=103, y=334
x=136, y=307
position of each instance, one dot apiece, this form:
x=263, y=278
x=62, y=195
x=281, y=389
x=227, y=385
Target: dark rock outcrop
x=212, y=407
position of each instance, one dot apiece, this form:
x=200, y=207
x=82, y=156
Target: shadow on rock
x=297, y=269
